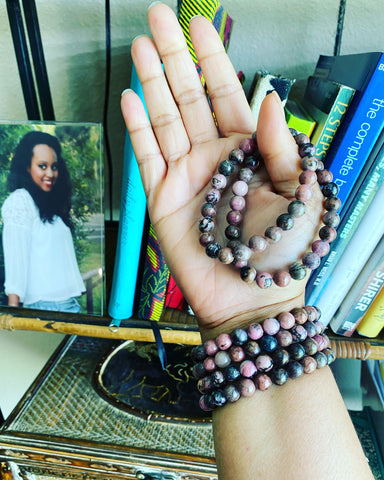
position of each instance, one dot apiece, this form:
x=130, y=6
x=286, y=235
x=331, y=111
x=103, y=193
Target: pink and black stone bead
x=237, y=364
x=244, y=162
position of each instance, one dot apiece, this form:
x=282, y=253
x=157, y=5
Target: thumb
x=277, y=146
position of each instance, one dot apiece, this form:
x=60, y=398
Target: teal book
x=327, y=102
x=130, y=234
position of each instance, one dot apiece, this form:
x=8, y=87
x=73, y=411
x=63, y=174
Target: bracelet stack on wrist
x=266, y=353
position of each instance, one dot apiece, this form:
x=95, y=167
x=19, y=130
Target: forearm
x=301, y=429
x=13, y=300
x=297, y=431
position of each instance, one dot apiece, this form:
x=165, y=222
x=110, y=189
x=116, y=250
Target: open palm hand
x=178, y=153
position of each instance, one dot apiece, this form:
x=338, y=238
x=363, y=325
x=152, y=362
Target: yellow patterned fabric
x=190, y=8
x=155, y=280
x=210, y=9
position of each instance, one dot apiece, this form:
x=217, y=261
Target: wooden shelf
x=176, y=327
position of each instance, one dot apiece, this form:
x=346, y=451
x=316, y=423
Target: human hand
x=178, y=153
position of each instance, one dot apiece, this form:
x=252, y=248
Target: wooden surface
x=176, y=327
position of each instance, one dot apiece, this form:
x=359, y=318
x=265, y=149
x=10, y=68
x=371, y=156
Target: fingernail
x=126, y=91
x=278, y=100
x=153, y=3
x=138, y=36
x=277, y=96
x=195, y=16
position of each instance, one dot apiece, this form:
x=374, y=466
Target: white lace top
x=40, y=260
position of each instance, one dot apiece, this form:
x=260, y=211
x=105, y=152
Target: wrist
x=237, y=363
x=212, y=329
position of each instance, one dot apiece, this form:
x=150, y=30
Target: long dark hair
x=58, y=200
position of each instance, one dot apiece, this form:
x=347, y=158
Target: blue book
x=349, y=210
x=357, y=135
x=367, y=168
x=349, y=224
x=130, y=234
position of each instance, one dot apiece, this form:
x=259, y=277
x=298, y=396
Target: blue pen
x=131, y=225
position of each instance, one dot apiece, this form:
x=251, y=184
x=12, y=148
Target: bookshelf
x=172, y=321
x=176, y=326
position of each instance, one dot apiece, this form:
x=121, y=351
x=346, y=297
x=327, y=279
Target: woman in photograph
x=41, y=269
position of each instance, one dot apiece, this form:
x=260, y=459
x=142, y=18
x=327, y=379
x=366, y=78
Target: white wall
x=282, y=36
x=22, y=356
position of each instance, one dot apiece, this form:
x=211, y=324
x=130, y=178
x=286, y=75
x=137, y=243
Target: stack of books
x=343, y=113
x=345, y=97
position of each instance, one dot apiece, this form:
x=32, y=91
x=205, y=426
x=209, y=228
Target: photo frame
x=52, y=217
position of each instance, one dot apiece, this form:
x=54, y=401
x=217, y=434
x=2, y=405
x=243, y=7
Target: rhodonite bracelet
x=270, y=352
x=239, y=170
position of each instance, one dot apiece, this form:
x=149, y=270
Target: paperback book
x=373, y=321
x=363, y=292
x=356, y=254
x=327, y=102
x=350, y=224
x=133, y=208
x=357, y=135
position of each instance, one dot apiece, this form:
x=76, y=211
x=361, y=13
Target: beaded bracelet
x=245, y=160
x=266, y=353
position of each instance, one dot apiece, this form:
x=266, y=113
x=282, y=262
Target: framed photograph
x=52, y=217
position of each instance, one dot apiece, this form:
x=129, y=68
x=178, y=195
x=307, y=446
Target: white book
x=264, y=83
x=358, y=251
x=351, y=310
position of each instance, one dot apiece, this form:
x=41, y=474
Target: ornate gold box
x=66, y=427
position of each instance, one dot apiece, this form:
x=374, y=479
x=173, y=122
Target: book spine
x=349, y=224
x=263, y=83
x=373, y=320
x=356, y=254
x=298, y=119
x=174, y=298
x=130, y=233
x=366, y=172
x=367, y=285
x=347, y=158
x=333, y=121
x=364, y=299
x=353, y=70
